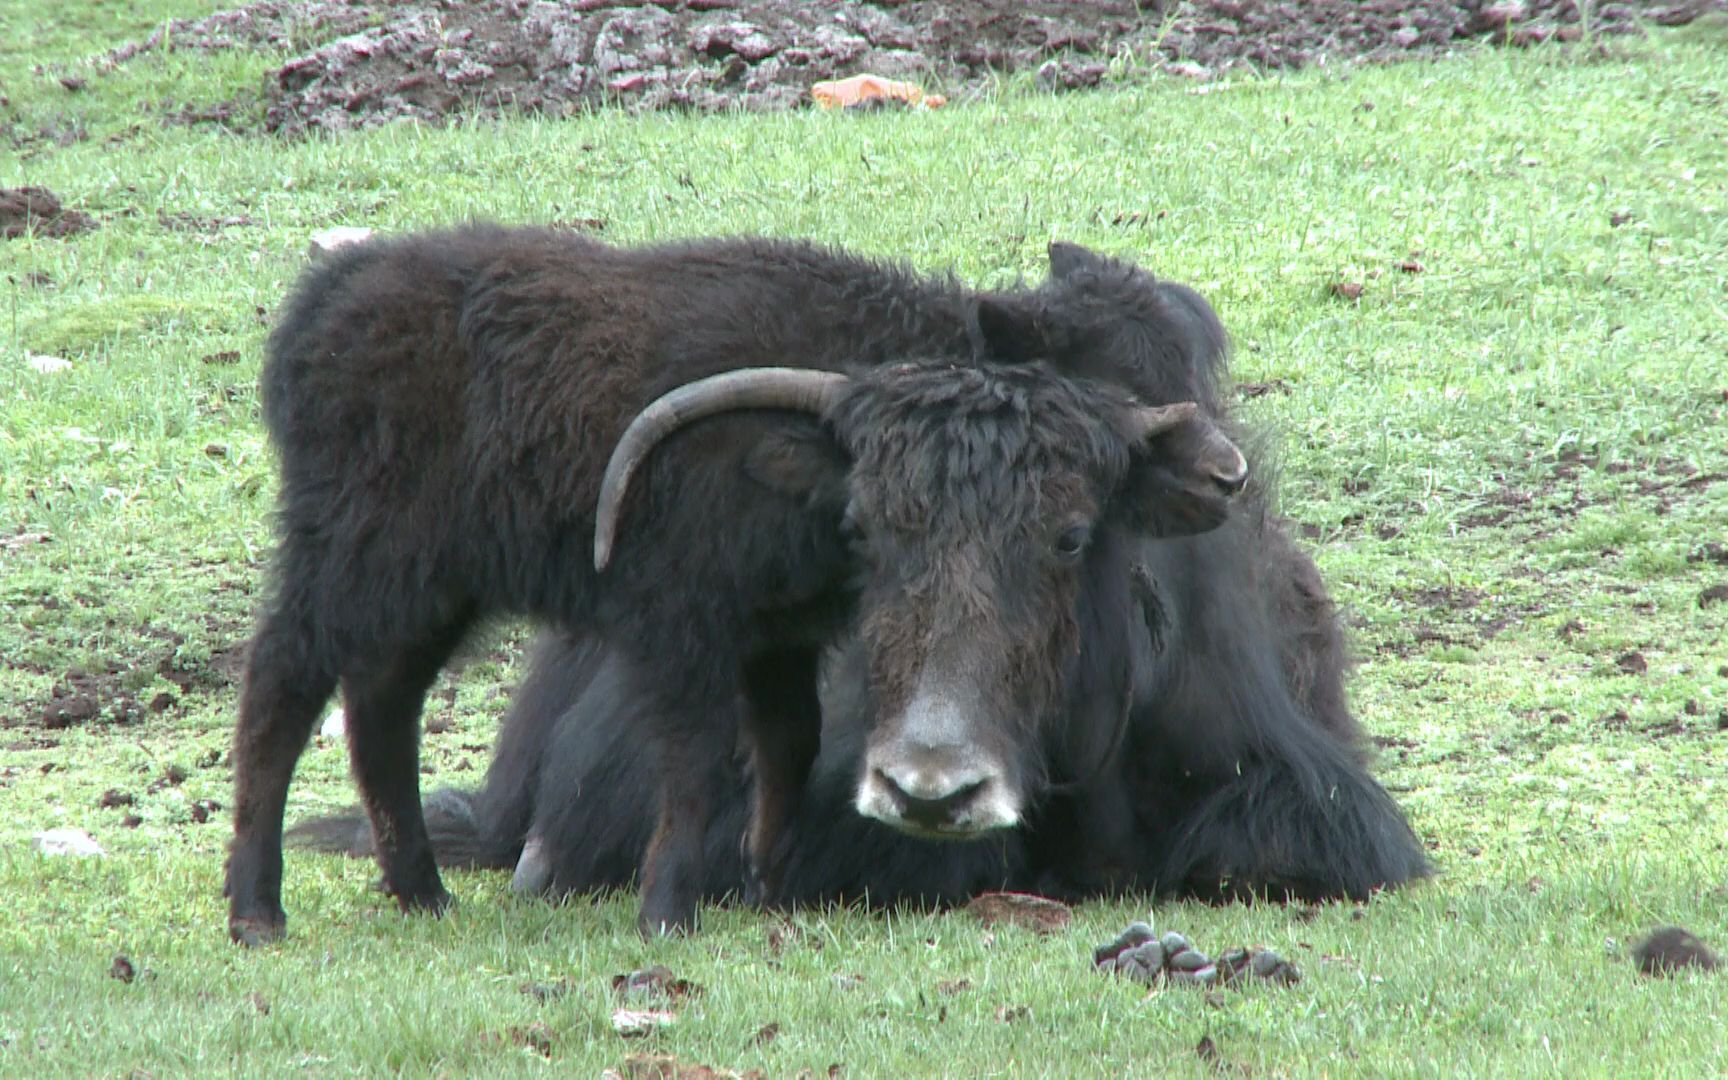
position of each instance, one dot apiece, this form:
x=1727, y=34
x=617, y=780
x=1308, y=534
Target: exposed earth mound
x=36, y=210
x=381, y=60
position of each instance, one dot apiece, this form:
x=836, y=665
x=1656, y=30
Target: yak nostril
x=1232, y=479
x=931, y=813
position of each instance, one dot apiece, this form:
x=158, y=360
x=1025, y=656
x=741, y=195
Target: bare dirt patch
x=37, y=211
x=358, y=63
x=107, y=694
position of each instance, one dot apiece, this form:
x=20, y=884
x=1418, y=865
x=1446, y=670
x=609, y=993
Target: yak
x=1204, y=745
x=823, y=442
x=1236, y=772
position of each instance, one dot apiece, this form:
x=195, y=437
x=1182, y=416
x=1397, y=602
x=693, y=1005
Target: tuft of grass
x=1507, y=452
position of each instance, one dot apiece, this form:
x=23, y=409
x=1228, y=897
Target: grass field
x=1509, y=454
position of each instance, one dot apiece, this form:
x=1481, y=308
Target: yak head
x=1108, y=319
x=978, y=500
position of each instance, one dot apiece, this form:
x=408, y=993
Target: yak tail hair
x=453, y=821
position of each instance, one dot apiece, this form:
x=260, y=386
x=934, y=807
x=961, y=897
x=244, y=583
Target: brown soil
x=36, y=210
x=82, y=696
x=382, y=60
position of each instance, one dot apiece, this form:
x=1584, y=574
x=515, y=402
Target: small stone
x=1173, y=943
x=60, y=842
x=49, y=365
x=325, y=241
x=635, y=1023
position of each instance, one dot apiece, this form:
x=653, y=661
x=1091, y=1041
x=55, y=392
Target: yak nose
x=945, y=791
x=1231, y=473
x=931, y=798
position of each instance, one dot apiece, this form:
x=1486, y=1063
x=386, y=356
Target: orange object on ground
x=845, y=93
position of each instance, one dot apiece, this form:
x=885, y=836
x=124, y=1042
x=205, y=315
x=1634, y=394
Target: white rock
x=335, y=724
x=325, y=241
x=49, y=365
x=68, y=842
x=634, y=1023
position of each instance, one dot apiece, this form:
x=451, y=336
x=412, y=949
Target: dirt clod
x=654, y=983
x=1021, y=909
x=544, y=992
x=38, y=211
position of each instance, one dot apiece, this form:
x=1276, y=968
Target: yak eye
x=1070, y=542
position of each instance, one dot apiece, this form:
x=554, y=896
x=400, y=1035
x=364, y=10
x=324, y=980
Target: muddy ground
x=366, y=62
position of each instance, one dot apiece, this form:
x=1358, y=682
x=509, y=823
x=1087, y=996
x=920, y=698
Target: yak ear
x=1006, y=329
x=1182, y=481
x=803, y=463
x=1067, y=259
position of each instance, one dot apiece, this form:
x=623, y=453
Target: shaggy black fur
x=1239, y=772
x=1668, y=950
x=443, y=405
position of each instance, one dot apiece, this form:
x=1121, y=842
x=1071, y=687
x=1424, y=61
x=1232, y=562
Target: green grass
x=1507, y=465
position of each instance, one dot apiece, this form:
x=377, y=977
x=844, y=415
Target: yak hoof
x=432, y=900
x=755, y=890
x=656, y=926
x=253, y=933
x=664, y=916
x=533, y=870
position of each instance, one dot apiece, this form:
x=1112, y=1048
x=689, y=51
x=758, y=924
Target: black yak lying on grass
x=443, y=407
x=1204, y=747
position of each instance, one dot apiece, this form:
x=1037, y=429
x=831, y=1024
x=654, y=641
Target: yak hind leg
x=383, y=701
x=287, y=682
x=1332, y=834
x=783, y=730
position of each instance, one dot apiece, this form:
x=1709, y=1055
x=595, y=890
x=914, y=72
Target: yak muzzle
x=945, y=791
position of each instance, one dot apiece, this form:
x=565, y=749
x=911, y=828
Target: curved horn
x=798, y=389
x=1217, y=457
x=1221, y=459
x=1149, y=420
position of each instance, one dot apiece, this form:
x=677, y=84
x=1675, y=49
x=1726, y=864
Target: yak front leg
x=783, y=730
x=693, y=750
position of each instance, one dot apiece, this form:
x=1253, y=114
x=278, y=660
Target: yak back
x=443, y=405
